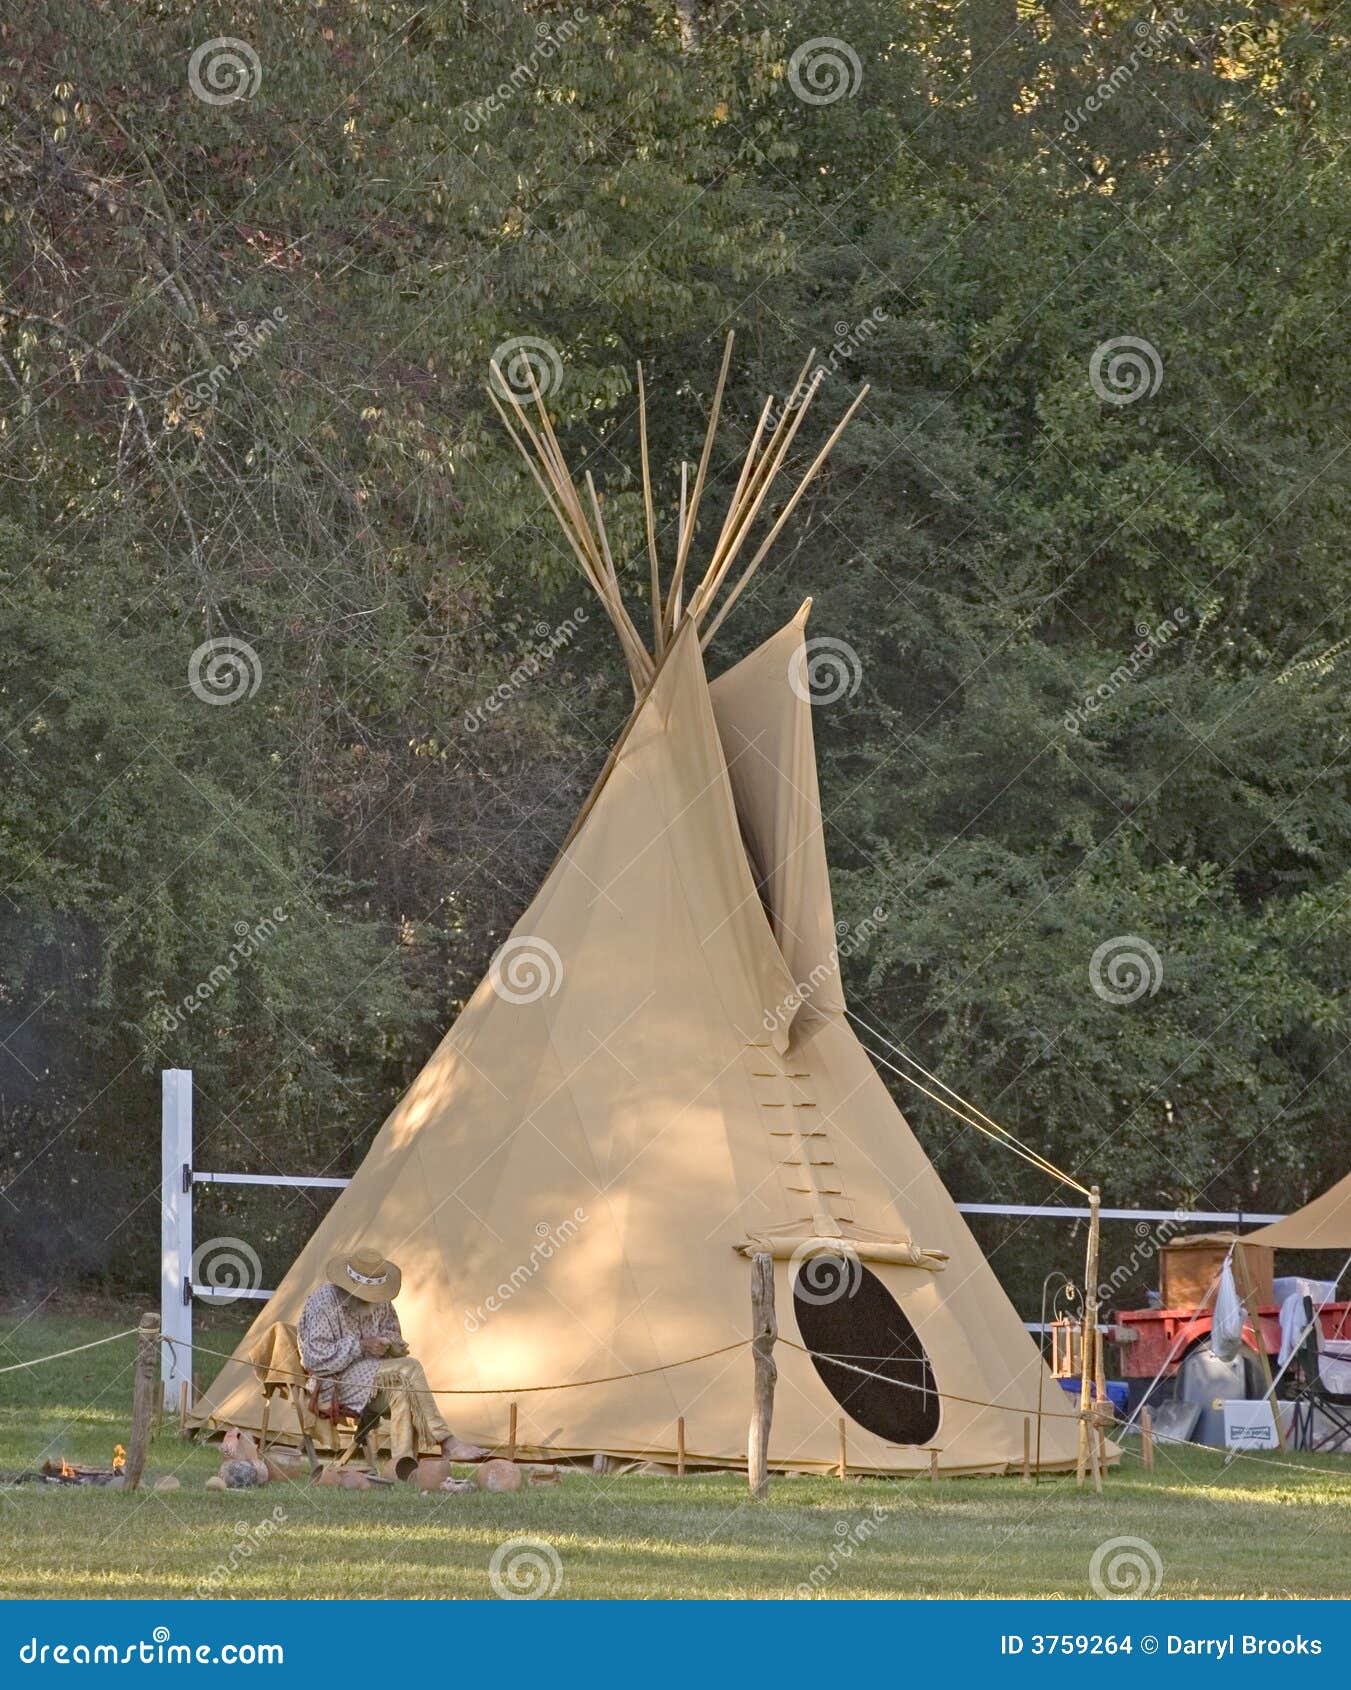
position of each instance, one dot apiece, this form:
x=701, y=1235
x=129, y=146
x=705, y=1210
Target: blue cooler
x=1117, y=1390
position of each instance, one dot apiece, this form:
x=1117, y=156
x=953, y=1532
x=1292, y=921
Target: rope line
x=1047, y=1414
x=1233, y=1456
x=666, y=1367
x=726, y=1349
x=926, y=1390
x=1006, y=1139
x=914, y=1061
x=58, y=1355
x=503, y=1390
x=1011, y=1140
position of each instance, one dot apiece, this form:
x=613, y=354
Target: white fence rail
x=178, y=1284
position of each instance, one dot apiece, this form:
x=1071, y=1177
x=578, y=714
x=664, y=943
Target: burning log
x=63, y=1472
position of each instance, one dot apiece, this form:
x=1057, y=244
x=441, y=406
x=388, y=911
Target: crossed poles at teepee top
x=538, y=444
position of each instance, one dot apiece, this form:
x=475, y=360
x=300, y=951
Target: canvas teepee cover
x=1324, y=1223
x=656, y=1079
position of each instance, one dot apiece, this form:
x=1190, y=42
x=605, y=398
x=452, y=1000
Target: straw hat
x=365, y=1274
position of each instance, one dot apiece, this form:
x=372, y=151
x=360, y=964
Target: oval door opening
x=844, y=1311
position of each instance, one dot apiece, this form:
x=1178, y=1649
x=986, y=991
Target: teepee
x=657, y=1080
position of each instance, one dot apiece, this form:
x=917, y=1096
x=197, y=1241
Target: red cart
x=1146, y=1337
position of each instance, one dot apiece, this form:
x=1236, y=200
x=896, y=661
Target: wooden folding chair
x=282, y=1377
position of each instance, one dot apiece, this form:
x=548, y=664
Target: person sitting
x=351, y=1342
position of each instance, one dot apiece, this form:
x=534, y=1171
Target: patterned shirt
x=331, y=1328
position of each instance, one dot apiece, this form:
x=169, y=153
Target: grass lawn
x=1255, y=1530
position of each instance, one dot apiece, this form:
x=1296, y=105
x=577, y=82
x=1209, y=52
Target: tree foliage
x=1099, y=644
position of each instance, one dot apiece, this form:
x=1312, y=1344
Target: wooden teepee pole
x=690, y=515
x=650, y=523
x=566, y=506
x=748, y=467
x=537, y=442
x=756, y=489
x=787, y=511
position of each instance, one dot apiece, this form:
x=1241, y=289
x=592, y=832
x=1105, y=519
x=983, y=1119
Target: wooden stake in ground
x=680, y=1447
x=511, y=1433
x=844, y=1450
x=183, y=1408
x=1027, y=1450
x=143, y=1400
x=1087, y=1348
x=1147, y=1439
x=766, y=1331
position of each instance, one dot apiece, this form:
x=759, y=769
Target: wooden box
x=1188, y=1266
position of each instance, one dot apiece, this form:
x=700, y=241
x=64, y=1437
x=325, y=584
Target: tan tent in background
x=1324, y=1224
x=657, y=1079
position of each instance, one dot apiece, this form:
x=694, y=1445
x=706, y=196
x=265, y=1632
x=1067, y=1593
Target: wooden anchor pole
x=1088, y=1346
x=143, y=1400
x=766, y=1331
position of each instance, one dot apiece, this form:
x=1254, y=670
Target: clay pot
x=238, y=1444
x=242, y=1475
x=343, y=1478
x=283, y=1467
x=498, y=1475
x=432, y=1473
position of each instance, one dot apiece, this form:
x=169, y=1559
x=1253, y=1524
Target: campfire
x=63, y=1472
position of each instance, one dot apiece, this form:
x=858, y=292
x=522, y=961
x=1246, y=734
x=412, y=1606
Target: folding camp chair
x=1324, y=1387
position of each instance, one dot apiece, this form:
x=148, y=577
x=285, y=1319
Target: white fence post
x=176, y=1226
